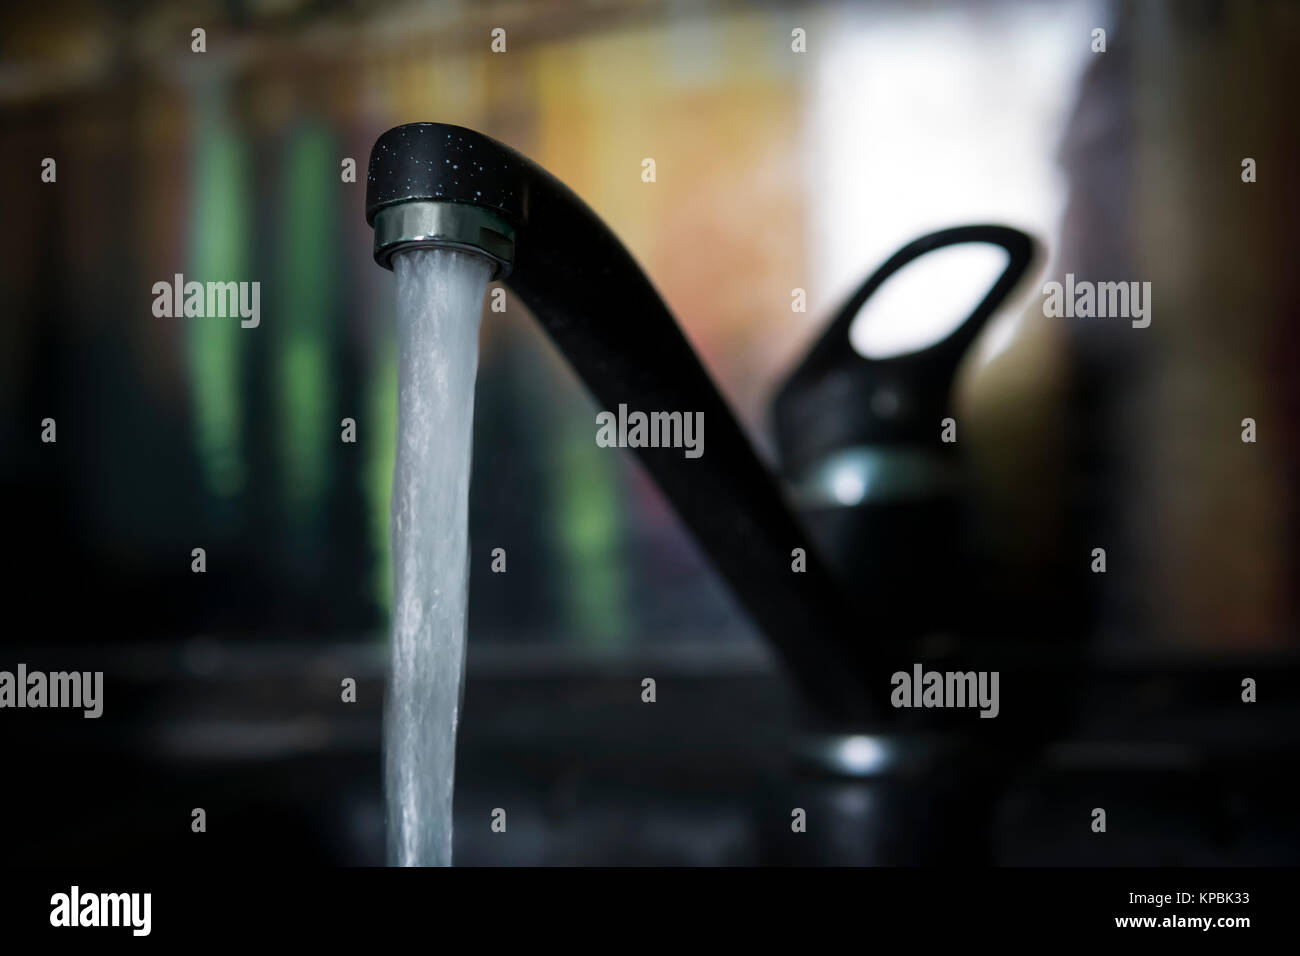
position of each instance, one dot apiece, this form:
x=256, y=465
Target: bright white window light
x=926, y=299
x=925, y=116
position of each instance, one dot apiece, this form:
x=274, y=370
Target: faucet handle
x=882, y=373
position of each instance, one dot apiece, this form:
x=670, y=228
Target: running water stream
x=439, y=300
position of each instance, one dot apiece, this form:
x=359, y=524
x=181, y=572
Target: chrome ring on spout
x=453, y=225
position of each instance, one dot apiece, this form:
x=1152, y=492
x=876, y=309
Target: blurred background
x=775, y=171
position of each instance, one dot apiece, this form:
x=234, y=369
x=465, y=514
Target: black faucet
x=431, y=184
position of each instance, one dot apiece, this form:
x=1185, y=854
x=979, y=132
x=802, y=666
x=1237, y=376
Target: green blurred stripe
x=218, y=247
x=589, y=528
x=304, y=323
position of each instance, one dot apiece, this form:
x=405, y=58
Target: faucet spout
x=434, y=184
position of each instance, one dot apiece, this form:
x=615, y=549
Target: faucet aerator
x=451, y=225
